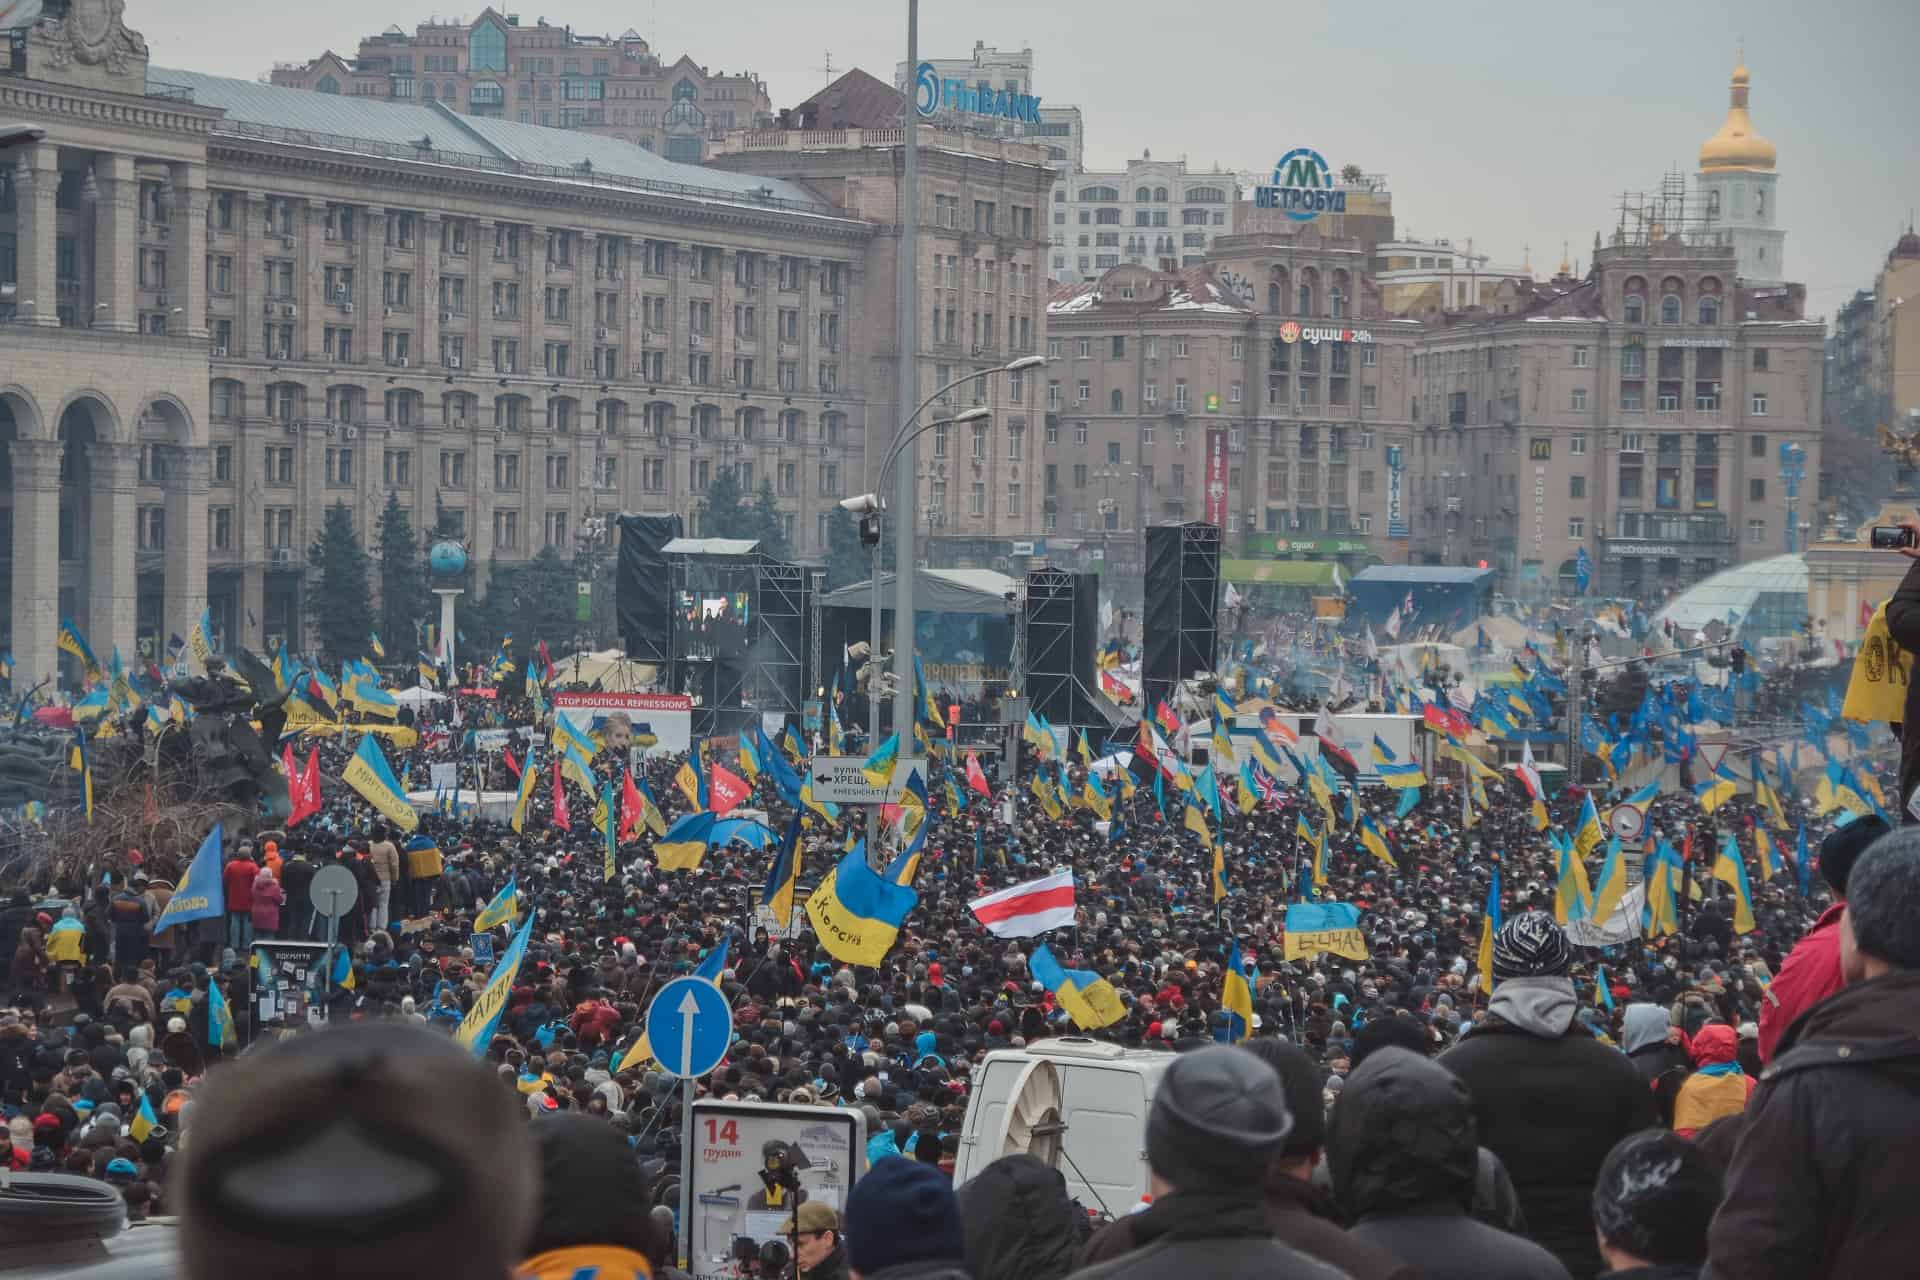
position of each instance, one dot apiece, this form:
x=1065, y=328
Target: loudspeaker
x=1179, y=617
x=643, y=586
x=1063, y=626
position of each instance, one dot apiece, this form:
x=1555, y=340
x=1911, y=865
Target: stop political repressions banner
x=665, y=717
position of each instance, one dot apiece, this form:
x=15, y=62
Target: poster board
x=665, y=718
x=284, y=983
x=724, y=1197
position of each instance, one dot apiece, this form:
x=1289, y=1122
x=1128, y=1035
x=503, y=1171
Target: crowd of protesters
x=1593, y=1113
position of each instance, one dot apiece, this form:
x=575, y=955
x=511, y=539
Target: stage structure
x=642, y=586
x=1062, y=631
x=1180, y=618
x=739, y=632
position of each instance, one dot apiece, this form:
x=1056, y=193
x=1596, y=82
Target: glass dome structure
x=1757, y=601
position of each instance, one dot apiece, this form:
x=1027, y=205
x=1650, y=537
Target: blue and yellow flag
x=1236, y=1000
x=783, y=877
x=369, y=774
x=523, y=803
x=1313, y=927
x=428, y=670
x=1394, y=772
x=685, y=843
x=1088, y=998
x=1589, y=834
x=610, y=848
x=1730, y=869
x=1304, y=830
x=6, y=665
x=1208, y=788
x=144, y=1121
x=1662, y=873
x=220, y=1030
x=856, y=913
x=82, y=761
x=504, y=907
x=1715, y=789
x=477, y=1028
x=929, y=709
x=202, y=894
x=1611, y=887
x=1768, y=851
x=878, y=767
x=200, y=638
x=1375, y=842
x=70, y=640
x=373, y=643
x=1489, y=925
x=1094, y=796
x=1572, y=898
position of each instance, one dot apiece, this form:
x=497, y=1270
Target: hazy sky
x=1514, y=123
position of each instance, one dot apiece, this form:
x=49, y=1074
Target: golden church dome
x=1736, y=145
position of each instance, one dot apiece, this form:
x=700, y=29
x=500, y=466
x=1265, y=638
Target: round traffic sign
x=334, y=890
x=1627, y=822
x=689, y=1027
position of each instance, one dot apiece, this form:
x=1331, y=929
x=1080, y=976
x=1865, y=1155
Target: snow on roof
x=1189, y=289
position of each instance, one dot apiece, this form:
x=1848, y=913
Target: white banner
x=1622, y=926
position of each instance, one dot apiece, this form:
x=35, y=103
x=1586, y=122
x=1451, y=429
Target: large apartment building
x=497, y=67
x=226, y=306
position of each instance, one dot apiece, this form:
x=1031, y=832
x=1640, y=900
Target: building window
x=1757, y=532
x=1083, y=392
x=1576, y=527
x=1757, y=490
x=1579, y=398
x=1670, y=309
x=1759, y=404
x=1759, y=359
x=1576, y=486
x=1579, y=357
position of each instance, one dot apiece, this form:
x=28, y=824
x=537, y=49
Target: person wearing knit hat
x=1219, y=1119
x=903, y=1223
x=1811, y=971
x=1652, y=1202
x=1549, y=1099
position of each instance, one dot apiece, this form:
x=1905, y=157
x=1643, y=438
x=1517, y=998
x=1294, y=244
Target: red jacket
x=239, y=875
x=1809, y=974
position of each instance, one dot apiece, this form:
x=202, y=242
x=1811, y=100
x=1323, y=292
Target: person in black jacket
x=1549, y=1099
x=1647, y=1034
x=1651, y=1205
x=1903, y=625
x=1822, y=1180
x=1403, y=1153
x=1019, y=1221
x=1219, y=1117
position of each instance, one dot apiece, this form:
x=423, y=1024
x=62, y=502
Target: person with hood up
x=1653, y=1045
x=594, y=1199
x=1717, y=1086
x=1020, y=1223
x=1811, y=971
x=1548, y=1098
x=268, y=898
x=903, y=1223
x=1404, y=1153
x=1821, y=1183
x=1219, y=1118
x=1651, y=1205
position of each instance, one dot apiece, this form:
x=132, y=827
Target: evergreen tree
x=722, y=512
x=339, y=597
x=771, y=530
x=848, y=561
x=544, y=594
x=404, y=602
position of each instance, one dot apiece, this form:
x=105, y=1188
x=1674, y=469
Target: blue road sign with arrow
x=689, y=1027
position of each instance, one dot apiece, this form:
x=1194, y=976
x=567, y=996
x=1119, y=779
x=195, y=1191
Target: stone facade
x=546, y=75
x=213, y=329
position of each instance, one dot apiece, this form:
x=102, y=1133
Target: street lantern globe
x=447, y=560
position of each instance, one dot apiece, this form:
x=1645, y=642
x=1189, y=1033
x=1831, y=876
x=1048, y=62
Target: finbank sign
x=931, y=95
x=1302, y=187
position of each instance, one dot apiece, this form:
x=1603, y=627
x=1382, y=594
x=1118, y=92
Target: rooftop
x=1189, y=289
x=436, y=135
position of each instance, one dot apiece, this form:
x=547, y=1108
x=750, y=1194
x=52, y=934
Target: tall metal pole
x=907, y=468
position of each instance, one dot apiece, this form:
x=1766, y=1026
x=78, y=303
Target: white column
x=115, y=246
x=187, y=263
x=186, y=558
x=36, y=179
x=112, y=601
x=36, y=558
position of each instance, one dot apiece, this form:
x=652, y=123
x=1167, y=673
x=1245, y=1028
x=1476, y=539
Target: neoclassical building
x=225, y=306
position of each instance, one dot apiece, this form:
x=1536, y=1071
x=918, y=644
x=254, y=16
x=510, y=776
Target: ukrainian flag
x=1612, y=885
x=1095, y=796
x=929, y=709
x=685, y=843
x=70, y=640
x=523, y=803
x=369, y=774
x=429, y=673
x=199, y=639
x=783, y=877
x=1766, y=797
x=878, y=767
x=1304, y=831
x=1209, y=788
x=1489, y=925
x=1222, y=748
x=1662, y=874
x=477, y=1028
x=144, y=1121
x=1715, y=789
x=1249, y=794
x=576, y=764
x=1768, y=850
x=1314, y=927
x=1088, y=998
x=1236, y=1000
x=1392, y=772
x=856, y=913
x=749, y=759
x=1572, y=898
x=1375, y=842
x=1037, y=736
x=1589, y=834
x=504, y=907
x=373, y=642
x=220, y=1028
x=1044, y=792
x=1730, y=869
x=650, y=814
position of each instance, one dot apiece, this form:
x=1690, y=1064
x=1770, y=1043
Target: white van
x=1079, y=1104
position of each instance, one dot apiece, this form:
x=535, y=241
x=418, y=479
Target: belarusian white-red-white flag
x=1027, y=909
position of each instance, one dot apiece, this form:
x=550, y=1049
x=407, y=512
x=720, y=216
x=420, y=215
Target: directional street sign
x=838, y=780
x=689, y=1027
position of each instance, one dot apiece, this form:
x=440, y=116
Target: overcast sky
x=1515, y=123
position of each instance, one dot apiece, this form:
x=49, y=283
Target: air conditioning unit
x=453, y=362
x=498, y=311
x=219, y=352
x=613, y=273
x=349, y=433
x=286, y=242
x=388, y=253
x=601, y=333
x=162, y=230
x=347, y=307
x=160, y=300
x=289, y=310
x=280, y=555
x=386, y=311
x=695, y=341
x=267, y=306
x=292, y=427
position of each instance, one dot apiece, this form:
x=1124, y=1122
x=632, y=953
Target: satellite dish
x=1032, y=1122
x=1627, y=822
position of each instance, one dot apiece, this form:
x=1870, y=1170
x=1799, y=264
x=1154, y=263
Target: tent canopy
x=417, y=697
x=934, y=591
x=1281, y=573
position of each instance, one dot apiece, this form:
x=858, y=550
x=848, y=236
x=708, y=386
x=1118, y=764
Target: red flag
x=296, y=786
x=306, y=790
x=1169, y=722
x=545, y=661
x=506, y=754
x=560, y=818
x=630, y=807
x=976, y=778
x=724, y=789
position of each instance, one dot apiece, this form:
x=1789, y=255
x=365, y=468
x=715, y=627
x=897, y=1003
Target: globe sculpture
x=447, y=560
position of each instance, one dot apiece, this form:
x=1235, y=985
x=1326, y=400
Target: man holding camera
x=816, y=1243
x=1903, y=624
